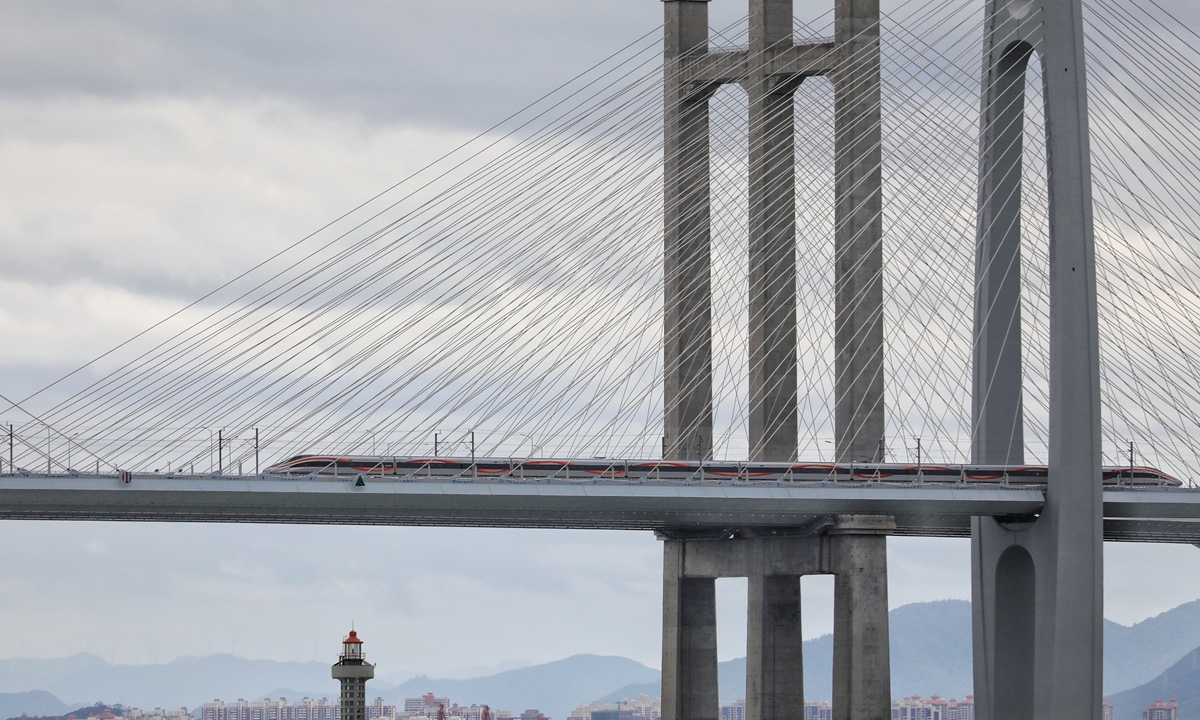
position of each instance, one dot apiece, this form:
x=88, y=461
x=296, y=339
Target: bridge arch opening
x=1011, y=394
x=1016, y=584
x=816, y=612
x=730, y=212
x=815, y=264
x=732, y=621
x=1034, y=321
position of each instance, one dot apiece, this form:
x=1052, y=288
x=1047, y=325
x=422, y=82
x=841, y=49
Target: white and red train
x=673, y=471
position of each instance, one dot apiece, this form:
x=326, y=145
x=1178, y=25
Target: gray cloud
x=461, y=62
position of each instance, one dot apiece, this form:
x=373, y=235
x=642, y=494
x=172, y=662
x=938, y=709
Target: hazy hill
x=1181, y=681
x=931, y=653
x=34, y=702
x=631, y=692
x=1135, y=655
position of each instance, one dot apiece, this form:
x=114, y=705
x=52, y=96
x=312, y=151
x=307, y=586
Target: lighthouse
x=353, y=671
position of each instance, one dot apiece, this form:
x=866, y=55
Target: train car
x=409, y=468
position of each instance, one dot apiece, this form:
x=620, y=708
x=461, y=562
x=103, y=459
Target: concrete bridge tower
x=770, y=71
x=851, y=548
x=1037, y=583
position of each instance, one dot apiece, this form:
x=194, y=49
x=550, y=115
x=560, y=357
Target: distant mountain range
x=555, y=688
x=931, y=653
x=187, y=681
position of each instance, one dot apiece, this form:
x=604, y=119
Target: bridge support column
x=774, y=645
x=687, y=332
x=773, y=411
x=689, y=666
x=1037, y=584
x=1004, y=609
x=858, y=234
x=862, y=675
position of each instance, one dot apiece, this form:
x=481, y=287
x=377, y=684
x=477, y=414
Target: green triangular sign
x=359, y=481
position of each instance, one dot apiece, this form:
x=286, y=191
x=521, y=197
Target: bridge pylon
x=1037, y=583
x=853, y=548
x=770, y=70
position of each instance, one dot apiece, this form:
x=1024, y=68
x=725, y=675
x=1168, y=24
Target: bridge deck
x=1155, y=515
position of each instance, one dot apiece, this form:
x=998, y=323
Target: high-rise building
x=963, y=709
x=1106, y=710
x=426, y=704
x=1161, y=711
x=239, y=710
x=817, y=710
x=353, y=670
x=933, y=708
x=735, y=710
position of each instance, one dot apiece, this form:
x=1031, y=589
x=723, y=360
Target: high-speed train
x=415, y=469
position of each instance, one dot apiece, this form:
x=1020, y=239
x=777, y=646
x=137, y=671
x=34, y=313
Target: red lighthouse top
x=352, y=648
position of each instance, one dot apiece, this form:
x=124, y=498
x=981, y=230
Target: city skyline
x=431, y=706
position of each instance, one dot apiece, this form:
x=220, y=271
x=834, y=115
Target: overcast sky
x=149, y=150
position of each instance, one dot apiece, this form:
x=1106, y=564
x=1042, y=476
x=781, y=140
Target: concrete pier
x=862, y=686
x=689, y=679
x=774, y=645
x=852, y=548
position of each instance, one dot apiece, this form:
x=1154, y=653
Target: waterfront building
x=156, y=714
x=584, y=712
x=1161, y=711
x=933, y=708
x=963, y=709
x=812, y=710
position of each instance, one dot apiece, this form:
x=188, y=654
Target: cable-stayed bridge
x=775, y=291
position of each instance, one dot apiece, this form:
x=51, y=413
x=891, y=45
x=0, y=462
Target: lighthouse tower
x=353, y=671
